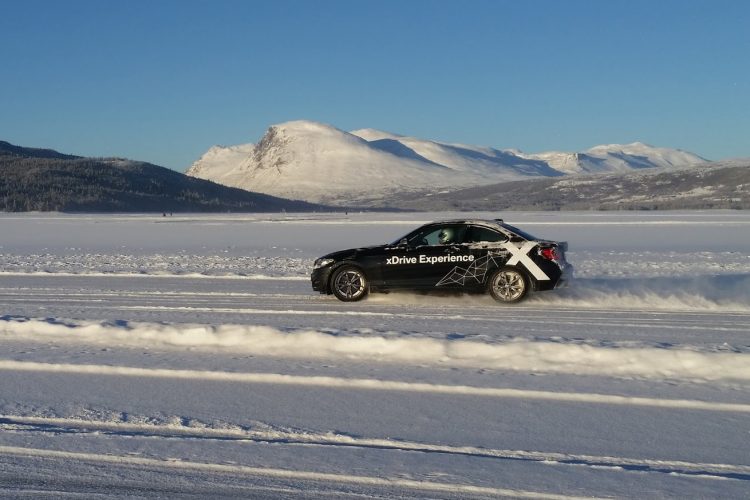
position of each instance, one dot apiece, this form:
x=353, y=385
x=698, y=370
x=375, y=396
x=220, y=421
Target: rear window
x=477, y=234
x=522, y=234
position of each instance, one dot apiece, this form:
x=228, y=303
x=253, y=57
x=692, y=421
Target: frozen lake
x=188, y=356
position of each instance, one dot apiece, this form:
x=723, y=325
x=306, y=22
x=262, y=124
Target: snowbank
x=517, y=354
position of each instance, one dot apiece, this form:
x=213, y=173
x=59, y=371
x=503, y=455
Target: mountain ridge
x=33, y=179
x=8, y=149
x=713, y=185
x=320, y=163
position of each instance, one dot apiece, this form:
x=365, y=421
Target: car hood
x=352, y=253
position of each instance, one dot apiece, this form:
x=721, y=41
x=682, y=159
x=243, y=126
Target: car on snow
x=465, y=255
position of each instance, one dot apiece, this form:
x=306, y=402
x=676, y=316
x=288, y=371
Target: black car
x=466, y=255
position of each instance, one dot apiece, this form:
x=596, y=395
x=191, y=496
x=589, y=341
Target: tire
x=508, y=285
x=349, y=284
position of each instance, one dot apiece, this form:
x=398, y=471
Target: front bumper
x=320, y=278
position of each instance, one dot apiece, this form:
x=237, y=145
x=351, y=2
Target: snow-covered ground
x=187, y=356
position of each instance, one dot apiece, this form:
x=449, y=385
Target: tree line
x=100, y=185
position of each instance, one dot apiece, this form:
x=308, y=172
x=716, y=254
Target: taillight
x=549, y=253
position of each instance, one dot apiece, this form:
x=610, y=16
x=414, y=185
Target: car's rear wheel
x=349, y=284
x=508, y=285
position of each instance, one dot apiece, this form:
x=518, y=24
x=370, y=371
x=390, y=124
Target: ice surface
x=187, y=355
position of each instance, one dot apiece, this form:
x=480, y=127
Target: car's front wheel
x=508, y=285
x=349, y=284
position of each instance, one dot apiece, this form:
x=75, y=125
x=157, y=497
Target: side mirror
x=403, y=242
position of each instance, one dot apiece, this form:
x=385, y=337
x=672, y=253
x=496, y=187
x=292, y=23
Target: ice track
x=198, y=373
x=445, y=377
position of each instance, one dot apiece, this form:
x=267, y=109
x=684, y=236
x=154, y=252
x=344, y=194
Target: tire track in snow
x=458, y=315
x=292, y=302
x=96, y=274
x=244, y=470
x=728, y=322
x=724, y=293
x=51, y=293
x=371, y=385
x=462, y=315
x=11, y=423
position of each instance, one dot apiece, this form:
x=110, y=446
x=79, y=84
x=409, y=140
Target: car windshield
x=400, y=240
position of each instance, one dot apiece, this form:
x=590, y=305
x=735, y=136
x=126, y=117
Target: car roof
x=496, y=223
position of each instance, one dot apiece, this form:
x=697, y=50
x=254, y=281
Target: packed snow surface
x=187, y=356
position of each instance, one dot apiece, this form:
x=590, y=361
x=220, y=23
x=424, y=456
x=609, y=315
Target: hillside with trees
x=717, y=185
x=45, y=180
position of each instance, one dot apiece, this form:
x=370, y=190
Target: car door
x=426, y=257
x=486, y=248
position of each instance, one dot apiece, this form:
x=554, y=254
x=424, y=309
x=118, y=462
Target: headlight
x=322, y=263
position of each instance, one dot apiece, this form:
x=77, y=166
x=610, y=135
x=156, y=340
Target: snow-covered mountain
x=317, y=162
x=711, y=185
x=615, y=158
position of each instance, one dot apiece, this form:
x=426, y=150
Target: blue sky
x=162, y=81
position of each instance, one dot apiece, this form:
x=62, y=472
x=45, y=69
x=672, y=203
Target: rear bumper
x=562, y=280
x=565, y=277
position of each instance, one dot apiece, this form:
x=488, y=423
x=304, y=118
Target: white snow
x=616, y=158
x=299, y=159
x=515, y=353
x=223, y=161
x=187, y=356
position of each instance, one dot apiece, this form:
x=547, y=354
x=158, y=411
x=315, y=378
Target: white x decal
x=521, y=254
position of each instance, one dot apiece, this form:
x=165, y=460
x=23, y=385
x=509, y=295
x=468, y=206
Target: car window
x=522, y=234
x=445, y=234
x=477, y=234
